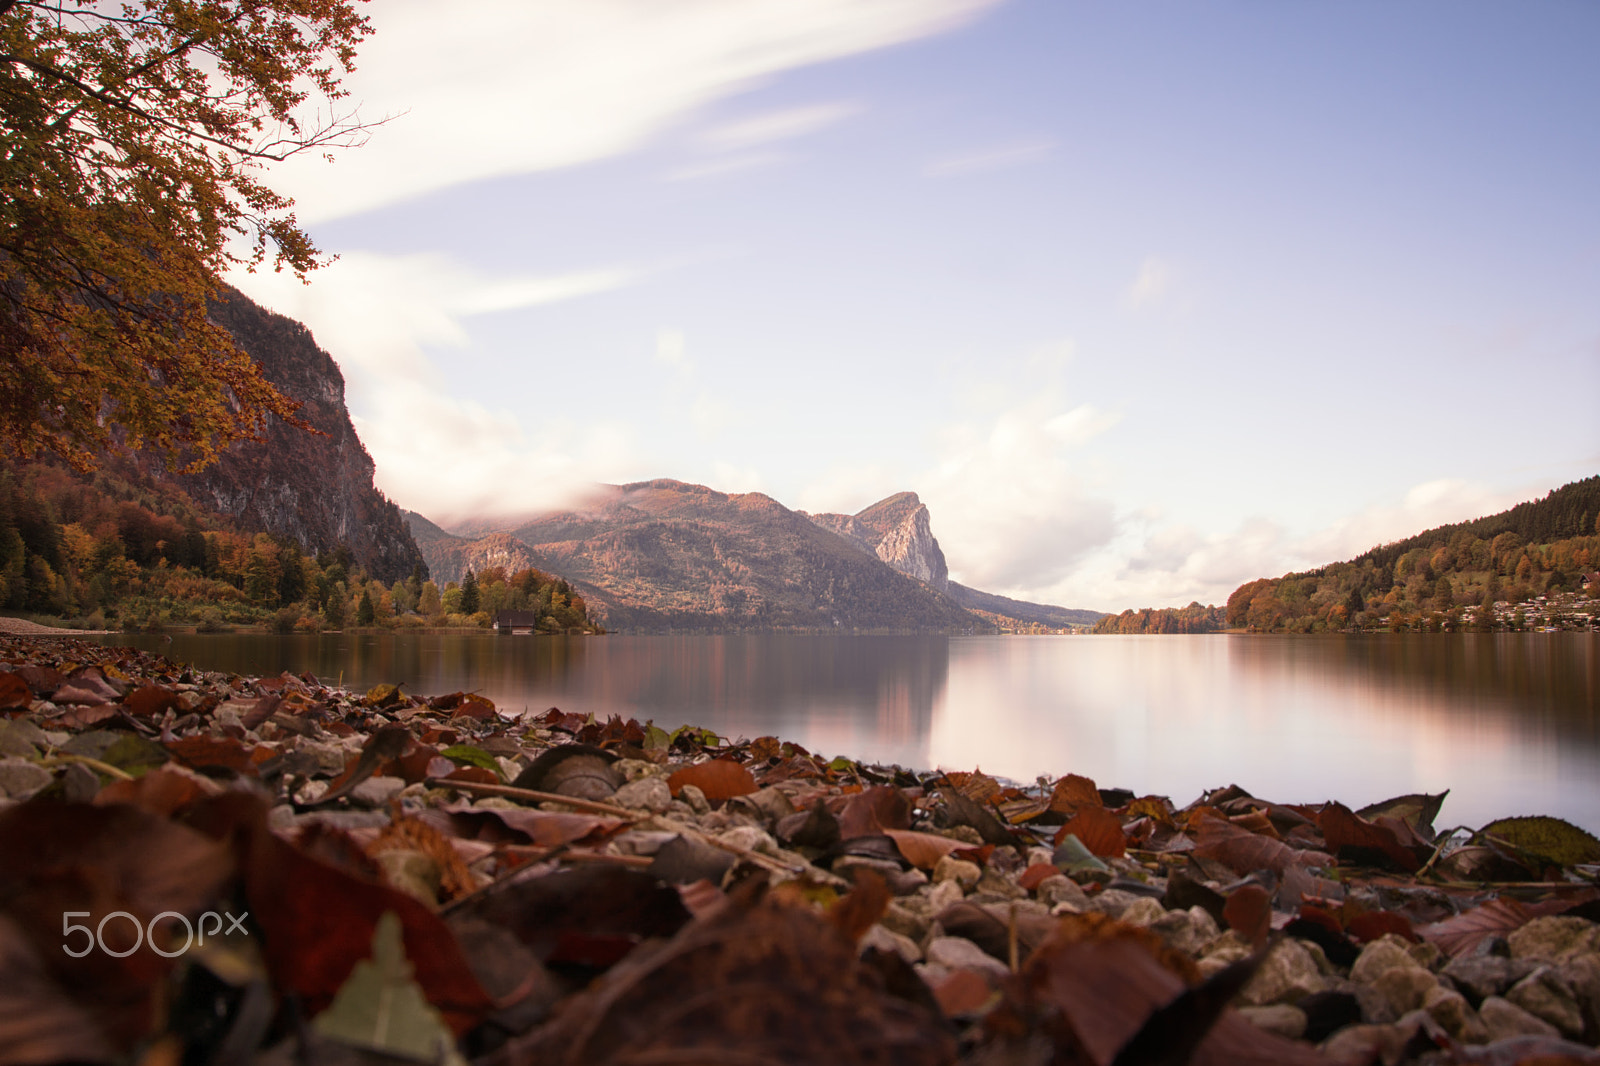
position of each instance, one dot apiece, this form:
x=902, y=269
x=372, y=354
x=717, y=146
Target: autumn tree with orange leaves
x=133, y=138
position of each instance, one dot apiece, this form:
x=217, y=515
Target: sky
x=1143, y=300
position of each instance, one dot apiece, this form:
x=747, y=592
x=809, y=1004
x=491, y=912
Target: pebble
x=951, y=869
x=1287, y=975
x=644, y=794
x=20, y=778
x=1279, y=1018
x=694, y=799
x=1544, y=994
x=887, y=940
x=955, y=953
x=1555, y=938
x=1502, y=1018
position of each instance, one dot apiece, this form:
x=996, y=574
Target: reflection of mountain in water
x=1548, y=678
x=869, y=696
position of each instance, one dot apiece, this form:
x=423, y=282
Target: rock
x=963, y=873
x=1062, y=891
x=1544, y=994
x=1480, y=976
x=1177, y=930
x=996, y=884
x=633, y=769
x=1401, y=983
x=642, y=841
x=695, y=798
x=1427, y=954
x=644, y=794
x=1582, y=975
x=1379, y=957
x=330, y=757
x=767, y=804
x=21, y=738
x=79, y=784
x=887, y=940
x=1555, y=938
x=1113, y=901
x=1288, y=974
x=904, y=918
x=1455, y=1016
x=955, y=953
x=1502, y=1018
x=1143, y=912
x=750, y=838
x=1367, y=1045
x=1223, y=951
x=1280, y=1018
x=20, y=778
x=377, y=791
x=942, y=894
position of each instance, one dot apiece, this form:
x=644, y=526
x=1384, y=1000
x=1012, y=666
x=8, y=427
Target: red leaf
x=874, y=811
x=1248, y=912
x=922, y=850
x=1374, y=925
x=963, y=992
x=14, y=692
x=1074, y=793
x=1243, y=851
x=719, y=779
x=1036, y=874
x=1354, y=839
x=200, y=752
x=152, y=700
x=1459, y=935
x=475, y=774
x=1098, y=829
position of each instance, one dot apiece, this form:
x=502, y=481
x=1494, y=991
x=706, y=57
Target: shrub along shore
x=426, y=878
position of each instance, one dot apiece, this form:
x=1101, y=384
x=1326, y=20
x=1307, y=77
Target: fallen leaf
x=1355, y=840
x=1248, y=911
x=871, y=812
x=380, y=1008
x=923, y=850
x=14, y=692
x=1099, y=830
x=1074, y=793
x=1417, y=810
x=1557, y=842
x=1459, y=935
x=719, y=779
x=1244, y=852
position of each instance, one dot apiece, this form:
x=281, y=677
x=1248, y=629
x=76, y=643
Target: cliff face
x=317, y=490
x=898, y=531
x=450, y=557
x=666, y=555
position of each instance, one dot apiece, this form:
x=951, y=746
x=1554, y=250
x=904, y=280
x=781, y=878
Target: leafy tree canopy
x=132, y=141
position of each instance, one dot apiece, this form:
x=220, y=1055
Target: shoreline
x=961, y=878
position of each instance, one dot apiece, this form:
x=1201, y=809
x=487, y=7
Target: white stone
x=644, y=793
x=955, y=952
x=963, y=873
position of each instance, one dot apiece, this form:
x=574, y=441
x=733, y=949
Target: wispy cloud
x=777, y=125
x=732, y=164
x=1150, y=285
x=998, y=158
x=506, y=87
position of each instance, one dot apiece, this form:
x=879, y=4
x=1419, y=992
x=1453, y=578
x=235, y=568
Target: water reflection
x=1509, y=722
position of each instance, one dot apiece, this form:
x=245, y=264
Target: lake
x=1509, y=722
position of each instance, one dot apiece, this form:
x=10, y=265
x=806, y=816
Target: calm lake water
x=1510, y=723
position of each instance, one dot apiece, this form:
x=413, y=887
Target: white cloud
x=1011, y=507
x=777, y=125
x=714, y=168
x=998, y=158
x=447, y=457
x=505, y=87
x=672, y=349
x=1150, y=286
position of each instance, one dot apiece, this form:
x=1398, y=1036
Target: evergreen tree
x=365, y=612
x=469, y=593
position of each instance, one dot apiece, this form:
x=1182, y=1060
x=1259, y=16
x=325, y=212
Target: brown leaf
x=764, y=748
x=976, y=786
x=873, y=811
x=719, y=779
x=1073, y=794
x=1098, y=829
x=923, y=850
x=963, y=992
x=1036, y=874
x=968, y=812
x=1248, y=911
x=317, y=922
x=546, y=829
x=1243, y=852
x=1354, y=839
x=14, y=692
x=1459, y=935
x=164, y=790
x=1374, y=925
x=1091, y=991
x=858, y=911
x=755, y=982
x=39, y=1022
x=200, y=752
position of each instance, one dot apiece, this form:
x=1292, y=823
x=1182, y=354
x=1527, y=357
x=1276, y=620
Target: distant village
x=1548, y=614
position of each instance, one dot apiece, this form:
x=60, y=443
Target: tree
x=131, y=142
x=469, y=594
x=365, y=612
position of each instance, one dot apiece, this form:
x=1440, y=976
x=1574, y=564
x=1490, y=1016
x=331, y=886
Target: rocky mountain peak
x=899, y=531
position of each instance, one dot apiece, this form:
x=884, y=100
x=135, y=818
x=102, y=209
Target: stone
x=1455, y=1016
x=956, y=953
x=20, y=778
x=642, y=841
x=767, y=804
x=963, y=873
x=1427, y=954
x=1402, y=990
x=1582, y=975
x=377, y=791
x=1286, y=975
x=1366, y=1045
x=1062, y=891
x=633, y=769
x=1502, y=1018
x=994, y=883
x=1544, y=994
x=1382, y=955
x=330, y=757
x=1555, y=938
x=1279, y=1018
x=1112, y=901
x=644, y=794
x=1480, y=976
x=510, y=769
x=1176, y=929
x=695, y=798
x=1143, y=912
x=21, y=738
x=1205, y=926
x=887, y=940
x=903, y=917
x=79, y=784
x=942, y=894
x=750, y=838
x=1222, y=952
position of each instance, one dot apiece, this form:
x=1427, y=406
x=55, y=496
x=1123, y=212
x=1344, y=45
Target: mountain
x=898, y=531
x=1039, y=614
x=659, y=555
x=317, y=490
x=668, y=555
x=1506, y=568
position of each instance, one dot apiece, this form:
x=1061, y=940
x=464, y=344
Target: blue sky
x=1144, y=300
